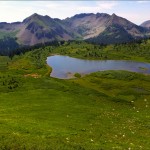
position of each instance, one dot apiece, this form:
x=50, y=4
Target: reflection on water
x=64, y=66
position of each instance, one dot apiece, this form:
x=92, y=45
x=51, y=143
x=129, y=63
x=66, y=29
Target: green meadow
x=100, y=111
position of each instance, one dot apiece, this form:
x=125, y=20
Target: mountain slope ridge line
x=101, y=28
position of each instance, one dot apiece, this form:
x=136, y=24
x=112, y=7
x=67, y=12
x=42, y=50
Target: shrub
x=77, y=75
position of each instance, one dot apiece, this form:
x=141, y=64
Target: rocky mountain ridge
x=100, y=27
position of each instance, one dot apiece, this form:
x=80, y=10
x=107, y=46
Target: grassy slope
x=8, y=34
x=104, y=110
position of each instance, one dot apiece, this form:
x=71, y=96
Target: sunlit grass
x=103, y=110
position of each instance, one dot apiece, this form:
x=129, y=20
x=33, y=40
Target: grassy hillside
x=130, y=51
x=4, y=34
x=104, y=110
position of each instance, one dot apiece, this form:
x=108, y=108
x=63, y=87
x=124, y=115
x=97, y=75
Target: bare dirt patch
x=35, y=75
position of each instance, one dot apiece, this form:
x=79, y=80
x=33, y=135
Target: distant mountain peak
x=102, y=15
x=33, y=17
x=82, y=15
x=36, y=14
x=114, y=19
x=114, y=15
x=146, y=24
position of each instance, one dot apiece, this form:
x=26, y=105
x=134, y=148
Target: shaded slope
x=112, y=34
x=120, y=30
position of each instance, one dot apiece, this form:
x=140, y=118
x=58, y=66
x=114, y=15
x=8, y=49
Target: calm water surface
x=62, y=66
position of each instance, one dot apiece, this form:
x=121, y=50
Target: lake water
x=64, y=66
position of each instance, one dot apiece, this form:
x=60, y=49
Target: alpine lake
x=65, y=67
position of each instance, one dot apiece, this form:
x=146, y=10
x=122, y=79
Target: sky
x=135, y=11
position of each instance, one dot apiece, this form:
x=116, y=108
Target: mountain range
x=99, y=28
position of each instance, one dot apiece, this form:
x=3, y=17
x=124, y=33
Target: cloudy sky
x=135, y=11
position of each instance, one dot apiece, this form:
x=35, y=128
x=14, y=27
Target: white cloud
x=142, y=2
x=11, y=11
x=107, y=4
x=16, y=10
x=98, y=7
x=76, y=8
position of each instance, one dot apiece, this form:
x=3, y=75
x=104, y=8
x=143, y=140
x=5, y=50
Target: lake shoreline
x=65, y=67
x=97, y=58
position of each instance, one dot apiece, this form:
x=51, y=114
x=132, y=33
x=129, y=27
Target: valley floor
x=101, y=111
